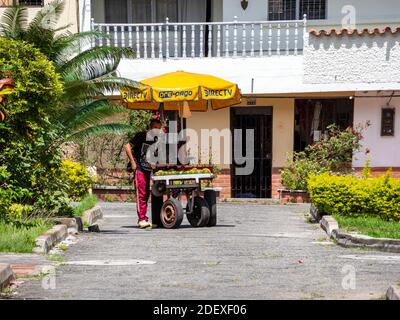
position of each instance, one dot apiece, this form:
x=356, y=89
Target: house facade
x=297, y=65
x=298, y=71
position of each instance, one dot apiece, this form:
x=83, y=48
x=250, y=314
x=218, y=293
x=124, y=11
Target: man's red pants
x=142, y=183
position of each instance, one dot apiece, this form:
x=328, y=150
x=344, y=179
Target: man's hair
x=154, y=121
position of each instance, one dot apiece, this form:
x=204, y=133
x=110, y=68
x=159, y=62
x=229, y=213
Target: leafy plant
x=88, y=74
x=29, y=160
x=87, y=203
x=333, y=153
x=77, y=178
x=352, y=196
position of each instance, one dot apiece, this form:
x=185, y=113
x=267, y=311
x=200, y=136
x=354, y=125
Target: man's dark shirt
x=140, y=146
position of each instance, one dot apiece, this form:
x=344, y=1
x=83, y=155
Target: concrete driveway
x=255, y=252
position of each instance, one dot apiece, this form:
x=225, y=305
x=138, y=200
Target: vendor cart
x=168, y=193
x=184, y=93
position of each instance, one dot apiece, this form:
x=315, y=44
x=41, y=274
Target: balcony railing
x=209, y=39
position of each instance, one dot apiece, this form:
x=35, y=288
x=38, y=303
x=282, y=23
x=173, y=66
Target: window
x=314, y=9
x=295, y=9
x=282, y=10
x=9, y=3
x=140, y=11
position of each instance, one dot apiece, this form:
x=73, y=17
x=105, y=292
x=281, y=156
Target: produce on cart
x=185, y=182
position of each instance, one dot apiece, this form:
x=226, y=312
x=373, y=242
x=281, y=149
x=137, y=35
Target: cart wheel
x=211, y=197
x=158, y=189
x=201, y=213
x=171, y=214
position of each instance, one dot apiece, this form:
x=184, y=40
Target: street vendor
x=136, y=151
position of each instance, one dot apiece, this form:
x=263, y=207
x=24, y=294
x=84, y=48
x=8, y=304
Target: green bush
x=29, y=158
x=333, y=153
x=87, y=203
x=295, y=176
x=77, y=178
x=353, y=196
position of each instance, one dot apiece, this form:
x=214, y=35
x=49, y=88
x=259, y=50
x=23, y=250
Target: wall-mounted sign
x=251, y=101
x=244, y=4
x=388, y=119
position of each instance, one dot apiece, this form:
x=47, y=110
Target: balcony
x=171, y=40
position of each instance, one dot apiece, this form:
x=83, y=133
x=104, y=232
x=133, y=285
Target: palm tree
x=88, y=74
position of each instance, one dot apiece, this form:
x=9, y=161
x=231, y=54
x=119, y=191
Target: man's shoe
x=144, y=224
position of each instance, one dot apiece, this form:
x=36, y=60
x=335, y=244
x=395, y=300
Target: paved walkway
x=256, y=252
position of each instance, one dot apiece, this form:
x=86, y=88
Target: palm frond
x=13, y=22
x=94, y=63
x=48, y=16
x=78, y=90
x=110, y=128
x=68, y=44
x=92, y=114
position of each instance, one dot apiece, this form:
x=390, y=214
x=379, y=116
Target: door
x=257, y=184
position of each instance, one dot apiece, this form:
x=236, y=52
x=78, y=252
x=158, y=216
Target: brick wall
x=223, y=181
x=276, y=182
x=375, y=172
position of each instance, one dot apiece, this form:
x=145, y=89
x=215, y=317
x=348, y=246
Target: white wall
x=385, y=151
x=352, y=59
x=367, y=11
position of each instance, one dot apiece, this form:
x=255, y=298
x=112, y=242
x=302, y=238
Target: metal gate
x=258, y=183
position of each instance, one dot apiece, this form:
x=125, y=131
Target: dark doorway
x=258, y=183
x=313, y=116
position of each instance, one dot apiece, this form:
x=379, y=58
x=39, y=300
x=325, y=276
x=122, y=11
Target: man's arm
x=128, y=150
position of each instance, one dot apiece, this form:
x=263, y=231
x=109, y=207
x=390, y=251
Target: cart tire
x=171, y=214
x=201, y=213
x=211, y=197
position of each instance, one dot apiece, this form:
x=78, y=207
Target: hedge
x=353, y=196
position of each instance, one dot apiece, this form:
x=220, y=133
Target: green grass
x=370, y=226
x=21, y=239
x=88, y=202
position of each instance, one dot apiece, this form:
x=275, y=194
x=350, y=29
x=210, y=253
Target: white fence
x=208, y=39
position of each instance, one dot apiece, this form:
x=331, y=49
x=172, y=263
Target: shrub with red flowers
x=335, y=150
x=333, y=153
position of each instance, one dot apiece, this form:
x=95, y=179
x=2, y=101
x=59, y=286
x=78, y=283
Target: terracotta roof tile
x=351, y=32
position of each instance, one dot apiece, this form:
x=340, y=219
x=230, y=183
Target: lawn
x=21, y=239
x=88, y=202
x=370, y=226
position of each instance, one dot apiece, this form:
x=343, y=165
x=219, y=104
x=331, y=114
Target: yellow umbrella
x=179, y=90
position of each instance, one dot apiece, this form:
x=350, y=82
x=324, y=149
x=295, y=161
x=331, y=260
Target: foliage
x=87, y=203
x=29, y=159
x=77, y=178
x=370, y=226
x=87, y=74
x=332, y=153
x=21, y=238
x=295, y=176
x=352, y=196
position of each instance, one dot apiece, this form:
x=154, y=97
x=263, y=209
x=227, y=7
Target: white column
x=85, y=15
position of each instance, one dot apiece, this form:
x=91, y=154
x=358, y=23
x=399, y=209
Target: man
x=136, y=151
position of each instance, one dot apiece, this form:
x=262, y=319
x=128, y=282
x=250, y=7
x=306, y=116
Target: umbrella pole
x=162, y=118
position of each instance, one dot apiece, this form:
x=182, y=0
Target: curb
x=393, y=293
x=348, y=240
x=50, y=238
x=72, y=224
x=90, y=216
x=6, y=275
